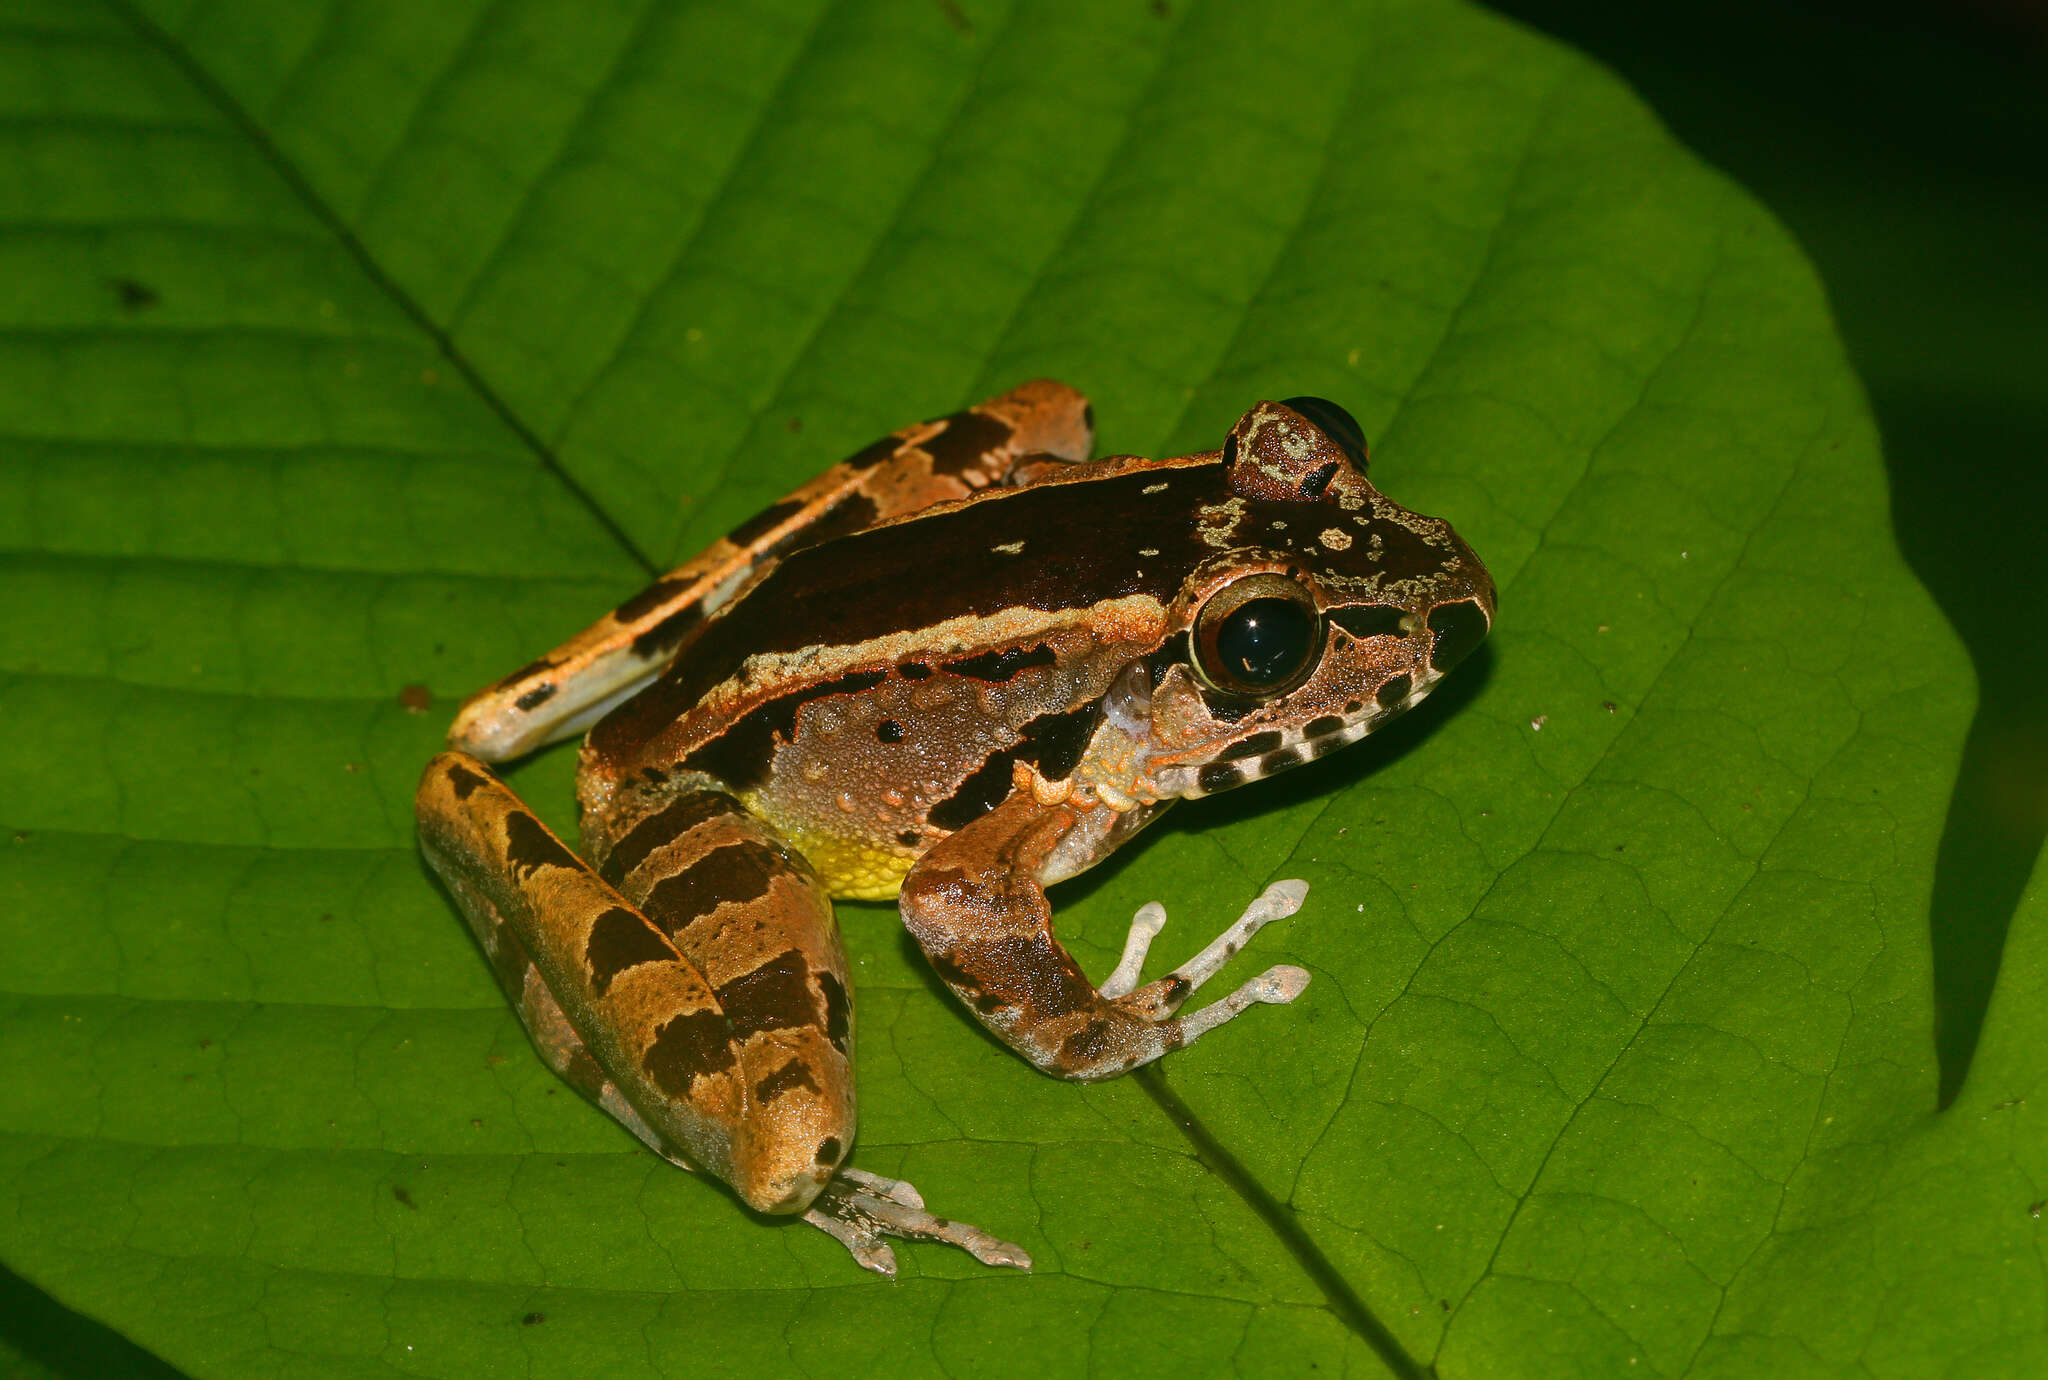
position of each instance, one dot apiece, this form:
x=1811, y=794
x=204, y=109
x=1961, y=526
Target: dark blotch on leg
x=965, y=985
x=530, y=847
x=663, y=827
x=1045, y=979
x=794, y=1074
x=829, y=1150
x=775, y=996
x=966, y=437
x=765, y=521
x=536, y=697
x=1218, y=776
x=735, y=872
x=1323, y=727
x=1394, y=691
x=620, y=940
x=647, y=601
x=691, y=1046
x=838, y=1010
x=668, y=632
x=464, y=782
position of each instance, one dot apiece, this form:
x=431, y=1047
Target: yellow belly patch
x=852, y=869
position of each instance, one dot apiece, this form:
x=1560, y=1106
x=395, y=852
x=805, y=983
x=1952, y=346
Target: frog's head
x=1325, y=609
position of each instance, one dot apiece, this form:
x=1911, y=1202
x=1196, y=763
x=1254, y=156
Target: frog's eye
x=1337, y=424
x=1258, y=636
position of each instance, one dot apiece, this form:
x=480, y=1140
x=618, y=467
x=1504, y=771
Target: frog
x=959, y=667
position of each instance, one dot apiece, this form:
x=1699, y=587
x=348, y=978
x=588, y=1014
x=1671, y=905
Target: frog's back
x=872, y=694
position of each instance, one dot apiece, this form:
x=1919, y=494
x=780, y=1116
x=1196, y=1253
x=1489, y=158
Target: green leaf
x=358, y=348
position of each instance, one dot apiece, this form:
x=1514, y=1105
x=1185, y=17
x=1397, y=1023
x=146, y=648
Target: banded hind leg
x=741, y=1071
x=1012, y=437
x=757, y=921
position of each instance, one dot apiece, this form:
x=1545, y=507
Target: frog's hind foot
x=858, y=1208
x=1158, y=1001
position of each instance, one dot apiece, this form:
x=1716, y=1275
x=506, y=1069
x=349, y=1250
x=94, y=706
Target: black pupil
x=1264, y=641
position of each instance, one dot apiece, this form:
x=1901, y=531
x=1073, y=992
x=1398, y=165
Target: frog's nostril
x=1459, y=628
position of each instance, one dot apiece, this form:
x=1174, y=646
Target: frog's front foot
x=858, y=1208
x=1157, y=1001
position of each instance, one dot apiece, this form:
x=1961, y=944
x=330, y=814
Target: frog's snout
x=1461, y=618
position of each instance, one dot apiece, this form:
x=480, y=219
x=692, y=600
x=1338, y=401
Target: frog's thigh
x=946, y=458
x=643, y=1013
x=755, y=920
x=976, y=905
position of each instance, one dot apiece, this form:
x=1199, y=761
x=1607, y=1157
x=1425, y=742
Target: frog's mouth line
x=1299, y=747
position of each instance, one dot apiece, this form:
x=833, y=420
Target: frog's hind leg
x=548, y=1026
x=858, y=1208
x=755, y=919
x=576, y=684
x=653, y=1028
x=976, y=905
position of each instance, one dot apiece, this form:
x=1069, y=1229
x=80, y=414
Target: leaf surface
x=361, y=348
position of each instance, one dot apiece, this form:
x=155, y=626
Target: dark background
x=1904, y=142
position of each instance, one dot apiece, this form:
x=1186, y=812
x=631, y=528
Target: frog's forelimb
x=976, y=904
